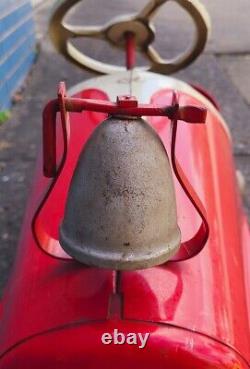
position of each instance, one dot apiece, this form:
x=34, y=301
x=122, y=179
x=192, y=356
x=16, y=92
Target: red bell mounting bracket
x=125, y=106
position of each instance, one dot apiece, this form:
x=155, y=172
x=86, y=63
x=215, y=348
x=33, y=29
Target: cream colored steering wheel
x=114, y=31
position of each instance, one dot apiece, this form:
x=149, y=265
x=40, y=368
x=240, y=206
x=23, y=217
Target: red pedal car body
x=187, y=309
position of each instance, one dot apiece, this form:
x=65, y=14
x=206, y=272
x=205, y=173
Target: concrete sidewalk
x=224, y=69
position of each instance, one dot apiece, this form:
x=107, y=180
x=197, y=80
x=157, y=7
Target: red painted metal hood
x=79, y=346
x=203, y=299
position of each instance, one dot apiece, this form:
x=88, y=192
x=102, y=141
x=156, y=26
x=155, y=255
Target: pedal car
x=134, y=250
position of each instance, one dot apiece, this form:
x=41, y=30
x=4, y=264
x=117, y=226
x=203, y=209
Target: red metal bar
x=49, y=138
x=190, y=114
x=195, y=244
x=130, y=50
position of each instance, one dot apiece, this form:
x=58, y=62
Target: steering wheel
x=142, y=28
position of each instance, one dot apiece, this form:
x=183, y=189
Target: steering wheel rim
x=140, y=24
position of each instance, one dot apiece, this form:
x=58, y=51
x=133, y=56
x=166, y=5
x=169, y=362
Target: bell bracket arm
x=49, y=132
x=194, y=245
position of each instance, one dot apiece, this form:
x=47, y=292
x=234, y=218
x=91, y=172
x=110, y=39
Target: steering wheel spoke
x=153, y=55
x=88, y=31
x=150, y=9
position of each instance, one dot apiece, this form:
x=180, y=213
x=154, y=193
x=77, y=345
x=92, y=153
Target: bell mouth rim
x=102, y=260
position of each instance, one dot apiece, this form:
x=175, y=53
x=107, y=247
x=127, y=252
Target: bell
x=121, y=208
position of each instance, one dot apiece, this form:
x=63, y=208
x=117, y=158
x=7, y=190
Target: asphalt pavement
x=223, y=69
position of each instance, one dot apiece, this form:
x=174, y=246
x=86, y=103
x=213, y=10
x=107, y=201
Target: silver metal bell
x=121, y=208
